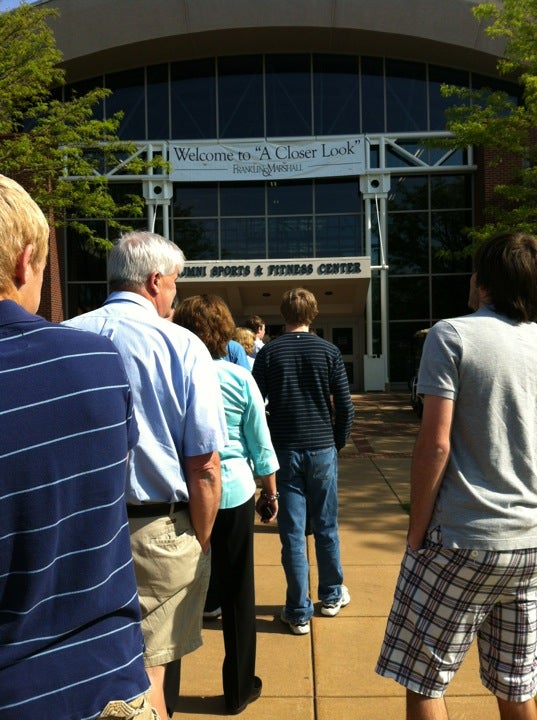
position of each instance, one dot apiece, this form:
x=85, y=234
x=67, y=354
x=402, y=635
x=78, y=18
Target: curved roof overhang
x=97, y=36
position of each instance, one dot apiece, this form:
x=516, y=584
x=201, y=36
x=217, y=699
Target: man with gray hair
x=173, y=482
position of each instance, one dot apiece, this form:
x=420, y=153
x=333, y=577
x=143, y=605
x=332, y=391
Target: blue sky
x=8, y=4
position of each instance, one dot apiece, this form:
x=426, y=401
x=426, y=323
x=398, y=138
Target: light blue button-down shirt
x=177, y=398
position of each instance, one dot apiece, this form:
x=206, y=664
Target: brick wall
x=488, y=176
x=52, y=305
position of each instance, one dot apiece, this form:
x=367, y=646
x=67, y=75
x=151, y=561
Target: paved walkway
x=329, y=674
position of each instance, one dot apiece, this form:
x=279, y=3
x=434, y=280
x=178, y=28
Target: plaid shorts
x=443, y=598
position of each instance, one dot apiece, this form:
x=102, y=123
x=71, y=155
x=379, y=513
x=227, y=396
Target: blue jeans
x=307, y=483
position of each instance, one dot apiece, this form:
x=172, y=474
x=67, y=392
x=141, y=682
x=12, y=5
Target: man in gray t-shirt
x=471, y=563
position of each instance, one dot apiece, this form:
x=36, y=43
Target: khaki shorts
x=172, y=574
x=138, y=709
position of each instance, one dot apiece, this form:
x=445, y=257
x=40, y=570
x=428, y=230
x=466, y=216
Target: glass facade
x=279, y=96
x=311, y=218
x=302, y=96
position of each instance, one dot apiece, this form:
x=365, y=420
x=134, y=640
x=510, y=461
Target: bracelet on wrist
x=269, y=497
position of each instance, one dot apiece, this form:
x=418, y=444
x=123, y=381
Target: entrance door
x=347, y=335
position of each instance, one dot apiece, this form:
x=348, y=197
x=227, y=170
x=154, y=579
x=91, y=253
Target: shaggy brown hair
x=299, y=307
x=208, y=317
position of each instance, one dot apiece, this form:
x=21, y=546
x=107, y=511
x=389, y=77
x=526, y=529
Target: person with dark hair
x=310, y=414
x=256, y=324
x=505, y=266
x=71, y=643
x=173, y=480
x=250, y=447
x=470, y=567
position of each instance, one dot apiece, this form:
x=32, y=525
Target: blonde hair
x=246, y=338
x=22, y=223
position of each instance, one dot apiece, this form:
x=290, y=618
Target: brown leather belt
x=155, y=509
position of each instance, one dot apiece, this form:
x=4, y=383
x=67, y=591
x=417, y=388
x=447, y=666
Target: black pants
x=232, y=568
x=172, y=683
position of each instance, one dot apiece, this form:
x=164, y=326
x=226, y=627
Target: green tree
x=501, y=123
x=44, y=139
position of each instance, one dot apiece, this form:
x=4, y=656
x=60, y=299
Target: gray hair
x=138, y=254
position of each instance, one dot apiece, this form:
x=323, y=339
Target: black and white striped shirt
x=304, y=379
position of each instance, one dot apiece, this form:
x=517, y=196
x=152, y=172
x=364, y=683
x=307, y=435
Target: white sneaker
x=297, y=628
x=331, y=609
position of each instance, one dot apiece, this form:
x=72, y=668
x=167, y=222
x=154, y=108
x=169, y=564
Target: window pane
x=242, y=199
x=496, y=85
x=406, y=96
x=336, y=96
x=451, y=191
x=158, y=103
x=243, y=238
x=397, y=155
x=86, y=260
x=374, y=156
x=198, y=239
x=343, y=340
x=409, y=192
x=121, y=191
x=402, y=350
x=197, y=200
x=373, y=119
x=288, y=95
x=377, y=341
x=334, y=196
x=338, y=236
x=240, y=97
x=128, y=97
x=375, y=297
x=438, y=104
x=290, y=237
x=449, y=240
x=459, y=157
x=450, y=296
x=289, y=198
x=193, y=93
x=83, y=87
x=408, y=243
x=409, y=298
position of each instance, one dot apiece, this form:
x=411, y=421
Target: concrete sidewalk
x=329, y=673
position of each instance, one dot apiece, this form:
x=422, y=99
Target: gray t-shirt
x=486, y=363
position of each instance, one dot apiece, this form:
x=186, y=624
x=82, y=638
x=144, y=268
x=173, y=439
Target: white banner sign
x=266, y=160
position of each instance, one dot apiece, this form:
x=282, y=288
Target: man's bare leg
x=419, y=707
x=517, y=710
x=156, y=677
